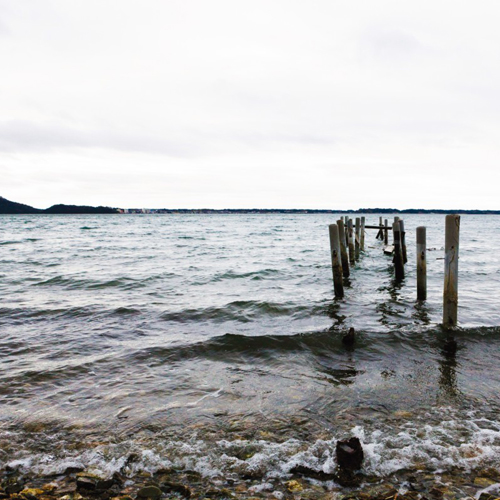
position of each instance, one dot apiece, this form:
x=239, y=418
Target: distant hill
x=11, y=207
x=79, y=209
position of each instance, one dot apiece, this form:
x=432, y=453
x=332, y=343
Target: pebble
x=293, y=486
x=151, y=491
x=483, y=482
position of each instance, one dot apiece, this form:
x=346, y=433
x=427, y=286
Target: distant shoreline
x=302, y=211
x=8, y=207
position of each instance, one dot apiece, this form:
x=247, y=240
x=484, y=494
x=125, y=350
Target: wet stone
x=382, y=492
x=73, y=470
x=301, y=470
x=171, y=487
x=487, y=496
x=215, y=493
x=293, y=486
x=151, y=491
x=349, y=454
x=13, y=486
x=85, y=483
x=483, y=482
x=32, y=493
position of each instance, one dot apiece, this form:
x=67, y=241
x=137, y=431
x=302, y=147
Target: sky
x=241, y=104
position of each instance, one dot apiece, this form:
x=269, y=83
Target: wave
x=240, y=310
x=443, y=440
x=11, y=242
x=61, y=313
x=124, y=283
x=254, y=275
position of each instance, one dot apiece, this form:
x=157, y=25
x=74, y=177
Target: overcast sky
x=261, y=103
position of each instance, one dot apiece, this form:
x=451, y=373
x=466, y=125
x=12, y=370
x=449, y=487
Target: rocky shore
x=302, y=483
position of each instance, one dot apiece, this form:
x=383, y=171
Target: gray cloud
x=29, y=137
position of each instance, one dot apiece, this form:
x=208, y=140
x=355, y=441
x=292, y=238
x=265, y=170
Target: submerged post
x=350, y=239
x=343, y=249
x=421, y=263
x=336, y=264
x=403, y=240
x=450, y=292
x=386, y=232
x=398, y=253
x=357, y=238
x=362, y=241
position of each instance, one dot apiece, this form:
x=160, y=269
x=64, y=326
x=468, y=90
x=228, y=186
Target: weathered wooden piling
x=398, y=253
x=350, y=239
x=338, y=284
x=421, y=263
x=450, y=292
x=386, y=232
x=403, y=240
x=379, y=234
x=357, y=238
x=343, y=249
x=362, y=241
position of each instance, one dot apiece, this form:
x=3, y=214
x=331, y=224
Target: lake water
x=213, y=343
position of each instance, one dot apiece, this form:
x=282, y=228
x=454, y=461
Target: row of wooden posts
x=347, y=241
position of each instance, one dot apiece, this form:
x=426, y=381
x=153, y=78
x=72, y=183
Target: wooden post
x=336, y=264
x=343, y=249
x=421, y=264
x=362, y=241
x=398, y=253
x=396, y=219
x=386, y=232
x=346, y=226
x=403, y=240
x=350, y=239
x=357, y=238
x=379, y=234
x=450, y=292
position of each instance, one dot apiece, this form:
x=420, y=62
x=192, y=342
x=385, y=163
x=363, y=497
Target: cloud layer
x=229, y=103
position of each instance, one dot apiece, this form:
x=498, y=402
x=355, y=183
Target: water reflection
x=448, y=369
x=421, y=312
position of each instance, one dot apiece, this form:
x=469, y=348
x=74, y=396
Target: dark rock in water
x=450, y=347
x=214, y=493
x=350, y=337
x=85, y=483
x=301, y=470
x=348, y=478
x=349, y=454
x=487, y=496
x=73, y=470
x=13, y=486
x=150, y=491
x=170, y=487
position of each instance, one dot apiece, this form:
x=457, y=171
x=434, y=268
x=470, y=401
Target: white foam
x=452, y=442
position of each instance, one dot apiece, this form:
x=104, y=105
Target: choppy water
x=213, y=343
